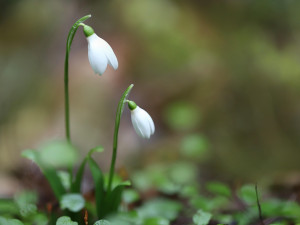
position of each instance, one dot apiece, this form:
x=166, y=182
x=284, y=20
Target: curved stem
x=116, y=133
x=66, y=73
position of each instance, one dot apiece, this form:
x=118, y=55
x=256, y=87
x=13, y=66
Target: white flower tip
x=142, y=122
x=100, y=54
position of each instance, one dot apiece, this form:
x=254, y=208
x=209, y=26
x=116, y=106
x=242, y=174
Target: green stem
x=116, y=133
x=66, y=75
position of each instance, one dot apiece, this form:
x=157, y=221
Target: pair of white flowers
x=100, y=55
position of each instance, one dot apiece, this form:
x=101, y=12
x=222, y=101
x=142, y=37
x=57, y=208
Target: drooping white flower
x=141, y=121
x=99, y=51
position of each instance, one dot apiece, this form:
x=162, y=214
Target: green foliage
x=65, y=220
x=130, y=195
x=78, y=178
x=160, y=207
x=247, y=193
x=181, y=116
x=218, y=188
x=167, y=178
x=26, y=202
x=58, y=154
x=65, y=179
x=102, y=222
x=156, y=221
x=194, y=146
x=5, y=221
x=201, y=217
x=49, y=173
x=72, y=202
x=23, y=206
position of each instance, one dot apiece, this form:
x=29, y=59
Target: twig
x=86, y=222
x=259, y=207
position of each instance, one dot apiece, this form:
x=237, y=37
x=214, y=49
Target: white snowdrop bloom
x=99, y=51
x=141, y=121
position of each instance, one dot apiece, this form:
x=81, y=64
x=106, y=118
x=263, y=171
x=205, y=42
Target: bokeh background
x=220, y=79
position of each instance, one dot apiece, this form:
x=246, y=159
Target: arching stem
x=116, y=133
x=66, y=74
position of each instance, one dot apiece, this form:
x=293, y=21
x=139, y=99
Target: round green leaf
x=218, y=188
x=58, y=154
x=4, y=221
x=102, y=222
x=201, y=217
x=65, y=220
x=72, y=202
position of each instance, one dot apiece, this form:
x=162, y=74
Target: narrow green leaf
x=96, y=149
x=99, y=186
x=49, y=173
x=72, y=202
x=65, y=179
x=77, y=182
x=65, y=220
x=113, y=198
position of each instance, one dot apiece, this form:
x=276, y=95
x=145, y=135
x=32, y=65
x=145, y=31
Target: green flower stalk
x=120, y=109
x=66, y=74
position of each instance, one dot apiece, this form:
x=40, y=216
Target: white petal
x=112, y=59
x=100, y=54
x=142, y=122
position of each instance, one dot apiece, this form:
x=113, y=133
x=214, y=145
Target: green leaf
x=125, y=218
x=96, y=149
x=183, y=173
x=201, y=217
x=247, y=193
x=40, y=219
x=72, y=202
x=49, y=173
x=99, y=187
x=5, y=221
x=113, y=198
x=160, y=207
x=58, y=154
x=156, y=221
x=130, y=195
x=26, y=202
x=7, y=206
x=102, y=222
x=194, y=146
x=218, y=188
x=65, y=179
x=65, y=220
x=77, y=182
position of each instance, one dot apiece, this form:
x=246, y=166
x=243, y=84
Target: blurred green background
x=221, y=80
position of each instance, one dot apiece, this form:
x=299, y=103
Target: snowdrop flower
x=99, y=51
x=141, y=121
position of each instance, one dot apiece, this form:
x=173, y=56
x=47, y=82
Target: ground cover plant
x=170, y=192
